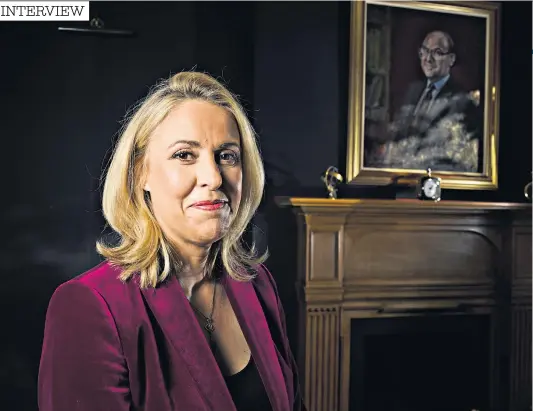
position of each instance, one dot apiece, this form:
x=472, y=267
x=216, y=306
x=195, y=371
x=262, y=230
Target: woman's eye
x=183, y=155
x=229, y=157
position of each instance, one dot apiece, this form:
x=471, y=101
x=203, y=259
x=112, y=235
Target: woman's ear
x=144, y=176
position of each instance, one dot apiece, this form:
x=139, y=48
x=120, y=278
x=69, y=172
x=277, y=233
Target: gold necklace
x=209, y=323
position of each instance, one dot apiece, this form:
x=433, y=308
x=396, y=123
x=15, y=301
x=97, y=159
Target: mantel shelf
x=308, y=204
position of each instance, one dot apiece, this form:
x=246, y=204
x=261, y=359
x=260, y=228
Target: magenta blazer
x=110, y=346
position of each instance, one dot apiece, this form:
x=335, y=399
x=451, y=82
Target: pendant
x=209, y=326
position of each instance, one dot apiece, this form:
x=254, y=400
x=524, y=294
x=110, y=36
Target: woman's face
x=194, y=173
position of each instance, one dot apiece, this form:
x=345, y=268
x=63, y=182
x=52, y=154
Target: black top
x=247, y=389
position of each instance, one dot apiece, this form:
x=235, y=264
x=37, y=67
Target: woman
x=179, y=316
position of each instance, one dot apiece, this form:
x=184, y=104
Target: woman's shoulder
x=100, y=276
x=102, y=281
x=264, y=280
x=94, y=299
x=261, y=273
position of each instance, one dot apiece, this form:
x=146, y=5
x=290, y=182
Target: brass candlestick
x=331, y=179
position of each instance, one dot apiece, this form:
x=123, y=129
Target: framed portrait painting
x=424, y=93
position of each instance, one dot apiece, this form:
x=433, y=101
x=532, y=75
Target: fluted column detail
x=322, y=362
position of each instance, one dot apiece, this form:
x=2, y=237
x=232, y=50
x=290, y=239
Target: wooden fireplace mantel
x=310, y=205
x=371, y=258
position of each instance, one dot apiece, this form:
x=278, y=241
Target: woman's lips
x=210, y=205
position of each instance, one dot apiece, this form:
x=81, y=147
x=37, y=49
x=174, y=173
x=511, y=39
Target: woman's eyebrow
x=192, y=143
x=230, y=145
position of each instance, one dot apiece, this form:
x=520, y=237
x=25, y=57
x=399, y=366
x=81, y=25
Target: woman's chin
x=209, y=235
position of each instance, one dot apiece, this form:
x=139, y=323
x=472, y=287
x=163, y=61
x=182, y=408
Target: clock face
x=430, y=188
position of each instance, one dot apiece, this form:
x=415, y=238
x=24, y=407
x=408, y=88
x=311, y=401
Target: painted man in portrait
x=437, y=125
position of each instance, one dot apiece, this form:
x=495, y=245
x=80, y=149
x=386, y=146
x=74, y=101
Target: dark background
x=63, y=96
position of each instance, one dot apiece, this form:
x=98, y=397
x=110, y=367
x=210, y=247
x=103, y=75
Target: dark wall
x=65, y=94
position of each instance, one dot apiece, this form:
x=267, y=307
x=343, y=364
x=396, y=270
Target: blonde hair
x=143, y=248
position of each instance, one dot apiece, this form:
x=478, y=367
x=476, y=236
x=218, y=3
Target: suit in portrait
x=438, y=124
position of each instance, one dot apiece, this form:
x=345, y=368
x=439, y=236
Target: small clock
x=429, y=187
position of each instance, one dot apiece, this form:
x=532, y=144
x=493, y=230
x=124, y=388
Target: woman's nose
x=208, y=174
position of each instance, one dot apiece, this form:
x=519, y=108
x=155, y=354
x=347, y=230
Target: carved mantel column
x=323, y=273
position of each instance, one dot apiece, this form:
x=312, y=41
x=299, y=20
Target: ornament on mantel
x=331, y=179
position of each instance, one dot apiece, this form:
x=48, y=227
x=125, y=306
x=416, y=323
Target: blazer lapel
x=172, y=312
x=255, y=328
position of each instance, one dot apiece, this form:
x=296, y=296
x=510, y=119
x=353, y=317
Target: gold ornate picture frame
x=424, y=92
